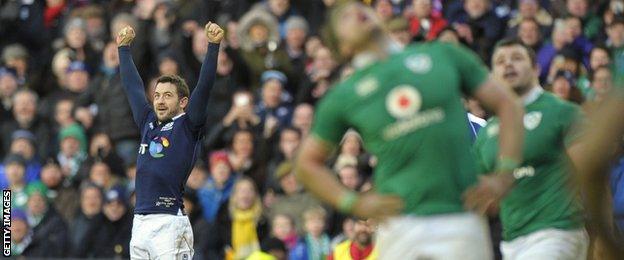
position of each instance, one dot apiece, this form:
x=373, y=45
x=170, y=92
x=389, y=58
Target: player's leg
x=174, y=239
x=138, y=247
x=548, y=244
x=455, y=236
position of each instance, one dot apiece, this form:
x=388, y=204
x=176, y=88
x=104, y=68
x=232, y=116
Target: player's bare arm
x=592, y=156
x=492, y=188
x=319, y=180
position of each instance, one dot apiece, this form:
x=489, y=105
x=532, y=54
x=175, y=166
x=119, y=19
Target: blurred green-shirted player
x=407, y=107
x=541, y=217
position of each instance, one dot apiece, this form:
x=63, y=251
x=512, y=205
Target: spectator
x=218, y=187
x=21, y=233
x=426, y=24
x=580, y=41
x=352, y=153
x=130, y=178
x=598, y=57
x=50, y=235
x=23, y=143
x=568, y=59
x=75, y=38
x=245, y=158
x=601, y=84
x=360, y=246
x=61, y=194
x=319, y=76
x=346, y=232
x=113, y=235
x=350, y=177
x=283, y=228
x=76, y=82
x=302, y=118
x=296, y=33
x=101, y=150
x=530, y=10
x=25, y=118
x=273, y=109
x=259, y=38
x=615, y=42
x=289, y=141
x=271, y=248
x=564, y=86
x=100, y=175
x=315, y=244
x=89, y=217
x=95, y=21
x=106, y=96
x=73, y=150
x=15, y=170
x=241, y=116
x=60, y=63
x=561, y=37
x=240, y=224
x=8, y=86
x=479, y=26
x=580, y=9
x=399, y=31
x=16, y=56
x=530, y=34
x=295, y=201
x=282, y=10
x=384, y=9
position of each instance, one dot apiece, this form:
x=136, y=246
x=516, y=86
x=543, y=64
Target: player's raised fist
x=214, y=33
x=125, y=36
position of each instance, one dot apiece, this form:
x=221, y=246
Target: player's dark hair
x=508, y=42
x=181, y=87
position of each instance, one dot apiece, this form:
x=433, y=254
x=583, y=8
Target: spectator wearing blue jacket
x=218, y=188
x=617, y=191
x=23, y=143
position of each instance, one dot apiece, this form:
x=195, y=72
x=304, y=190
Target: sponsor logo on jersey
x=532, y=120
x=167, y=127
x=366, y=86
x=156, y=147
x=403, y=101
x=418, y=63
x=492, y=130
x=527, y=171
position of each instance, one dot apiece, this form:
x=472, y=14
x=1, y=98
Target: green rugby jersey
x=408, y=111
x=542, y=197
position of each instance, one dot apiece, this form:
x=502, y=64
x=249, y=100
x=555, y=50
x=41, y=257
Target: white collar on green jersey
x=366, y=58
x=533, y=95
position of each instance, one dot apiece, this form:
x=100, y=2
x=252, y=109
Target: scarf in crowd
x=244, y=234
x=318, y=249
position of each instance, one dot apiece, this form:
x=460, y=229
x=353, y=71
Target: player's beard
x=363, y=239
x=168, y=115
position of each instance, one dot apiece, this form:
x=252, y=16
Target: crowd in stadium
x=69, y=143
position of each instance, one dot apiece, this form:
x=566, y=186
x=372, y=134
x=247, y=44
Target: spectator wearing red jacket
x=426, y=24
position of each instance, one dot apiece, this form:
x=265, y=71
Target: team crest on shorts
x=403, y=101
x=532, y=120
